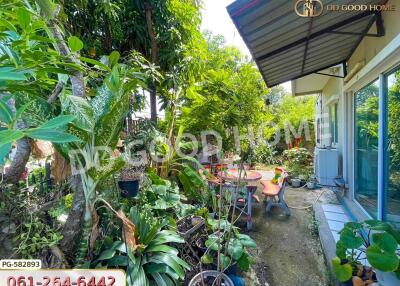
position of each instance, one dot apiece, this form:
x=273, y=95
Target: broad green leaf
x=4, y=150
x=385, y=241
x=23, y=17
x=109, y=126
x=107, y=254
x=207, y=259
x=6, y=114
x=381, y=259
x=162, y=248
x=350, y=240
x=117, y=260
x=354, y=226
x=75, y=44
x=212, y=242
x=114, y=58
x=54, y=136
x=341, y=250
x=244, y=262
x=57, y=122
x=159, y=189
x=9, y=136
x=81, y=109
x=97, y=64
x=383, y=226
x=224, y=261
x=11, y=74
x=8, y=25
x=235, y=249
x=343, y=272
x=247, y=241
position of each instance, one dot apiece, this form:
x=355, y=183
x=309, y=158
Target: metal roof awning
x=315, y=83
x=286, y=46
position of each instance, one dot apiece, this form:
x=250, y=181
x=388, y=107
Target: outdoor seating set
x=243, y=185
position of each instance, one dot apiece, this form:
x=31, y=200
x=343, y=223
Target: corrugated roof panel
x=286, y=46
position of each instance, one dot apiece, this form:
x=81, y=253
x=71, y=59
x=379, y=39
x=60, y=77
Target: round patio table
x=246, y=175
x=232, y=175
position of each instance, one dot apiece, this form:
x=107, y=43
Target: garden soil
x=289, y=252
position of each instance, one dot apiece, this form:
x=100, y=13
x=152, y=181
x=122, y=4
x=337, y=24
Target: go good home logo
x=314, y=8
x=309, y=8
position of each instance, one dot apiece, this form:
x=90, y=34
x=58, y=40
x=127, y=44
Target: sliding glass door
x=392, y=184
x=366, y=147
x=377, y=147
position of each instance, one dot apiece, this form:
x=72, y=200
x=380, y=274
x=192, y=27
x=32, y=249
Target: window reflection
x=366, y=147
x=393, y=186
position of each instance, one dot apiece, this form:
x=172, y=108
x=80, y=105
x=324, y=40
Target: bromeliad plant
x=149, y=258
x=379, y=246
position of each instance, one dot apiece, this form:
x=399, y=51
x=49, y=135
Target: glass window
x=366, y=147
x=333, y=123
x=393, y=151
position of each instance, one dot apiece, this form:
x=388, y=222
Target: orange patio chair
x=275, y=194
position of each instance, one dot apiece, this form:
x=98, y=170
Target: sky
x=215, y=18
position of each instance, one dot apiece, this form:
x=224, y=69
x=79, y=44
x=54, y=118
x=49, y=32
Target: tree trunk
x=153, y=101
x=17, y=167
x=73, y=225
x=154, y=55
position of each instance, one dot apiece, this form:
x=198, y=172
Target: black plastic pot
x=129, y=189
x=202, y=248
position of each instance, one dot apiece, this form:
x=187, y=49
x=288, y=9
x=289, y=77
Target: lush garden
x=82, y=188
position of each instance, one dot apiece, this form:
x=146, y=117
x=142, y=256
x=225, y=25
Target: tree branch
x=56, y=92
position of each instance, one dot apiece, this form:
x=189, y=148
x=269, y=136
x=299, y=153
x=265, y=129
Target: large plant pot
x=210, y=275
x=387, y=278
x=129, y=189
x=296, y=183
x=311, y=185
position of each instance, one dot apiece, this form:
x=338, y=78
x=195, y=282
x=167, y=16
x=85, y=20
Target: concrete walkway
x=289, y=251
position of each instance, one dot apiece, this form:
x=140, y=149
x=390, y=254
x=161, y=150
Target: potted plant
x=209, y=278
x=373, y=240
x=311, y=182
x=129, y=179
x=189, y=225
x=226, y=247
x=201, y=243
x=234, y=251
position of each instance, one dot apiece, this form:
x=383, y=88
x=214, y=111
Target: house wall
x=371, y=46
x=373, y=56
x=342, y=91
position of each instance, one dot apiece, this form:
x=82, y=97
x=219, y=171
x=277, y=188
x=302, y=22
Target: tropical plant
x=379, y=245
x=53, y=130
x=265, y=154
x=236, y=246
x=98, y=124
x=152, y=260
